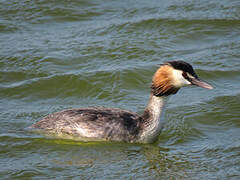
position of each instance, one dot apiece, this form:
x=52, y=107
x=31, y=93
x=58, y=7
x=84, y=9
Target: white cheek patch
x=178, y=79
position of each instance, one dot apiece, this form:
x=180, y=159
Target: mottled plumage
x=112, y=124
x=95, y=123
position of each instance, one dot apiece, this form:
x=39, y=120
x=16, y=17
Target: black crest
x=181, y=65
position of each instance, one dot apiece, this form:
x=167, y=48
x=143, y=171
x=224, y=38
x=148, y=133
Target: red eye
x=184, y=74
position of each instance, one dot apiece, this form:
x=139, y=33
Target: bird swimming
x=113, y=124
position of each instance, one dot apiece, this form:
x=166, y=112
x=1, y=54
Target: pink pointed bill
x=201, y=83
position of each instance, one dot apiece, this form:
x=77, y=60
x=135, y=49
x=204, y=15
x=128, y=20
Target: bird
x=114, y=124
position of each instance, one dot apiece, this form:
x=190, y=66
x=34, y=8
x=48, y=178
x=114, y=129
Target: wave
x=187, y=124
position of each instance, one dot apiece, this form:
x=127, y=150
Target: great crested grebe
x=112, y=124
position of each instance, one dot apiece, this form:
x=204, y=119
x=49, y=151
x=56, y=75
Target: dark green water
x=64, y=54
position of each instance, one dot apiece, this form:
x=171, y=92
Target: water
x=56, y=55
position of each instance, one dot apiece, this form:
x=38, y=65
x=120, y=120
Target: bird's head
x=173, y=75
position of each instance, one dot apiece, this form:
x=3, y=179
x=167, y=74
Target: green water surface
x=56, y=55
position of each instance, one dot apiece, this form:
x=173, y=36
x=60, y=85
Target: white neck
x=153, y=118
